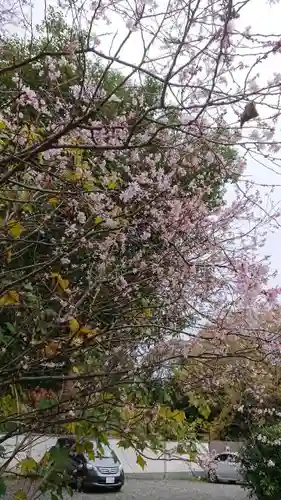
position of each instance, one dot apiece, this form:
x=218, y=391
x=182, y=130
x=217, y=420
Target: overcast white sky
x=264, y=18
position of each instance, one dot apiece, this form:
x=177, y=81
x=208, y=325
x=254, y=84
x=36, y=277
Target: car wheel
x=213, y=478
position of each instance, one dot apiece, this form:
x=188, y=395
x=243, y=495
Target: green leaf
x=10, y=327
x=3, y=487
x=123, y=443
x=204, y=410
x=44, y=403
x=88, y=186
x=89, y=449
x=59, y=456
x=98, y=220
x=141, y=462
x=28, y=208
x=28, y=465
x=20, y=495
x=54, y=496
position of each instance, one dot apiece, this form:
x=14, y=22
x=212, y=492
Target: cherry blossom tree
x=233, y=372
x=114, y=234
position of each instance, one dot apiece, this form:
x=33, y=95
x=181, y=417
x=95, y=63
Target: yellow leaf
x=98, y=220
x=78, y=158
x=15, y=228
x=87, y=332
x=167, y=413
x=8, y=254
x=74, y=325
x=163, y=411
x=60, y=281
x=75, y=369
x=71, y=427
x=112, y=185
x=28, y=465
x=141, y=462
x=63, y=284
x=73, y=176
x=28, y=208
x=147, y=313
x=3, y=124
x=178, y=416
x=10, y=298
x=107, y=397
x=24, y=195
x=52, y=201
x=20, y=495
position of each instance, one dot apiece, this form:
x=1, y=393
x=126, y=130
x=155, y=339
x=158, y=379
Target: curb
x=185, y=476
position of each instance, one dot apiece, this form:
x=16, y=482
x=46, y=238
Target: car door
x=235, y=465
x=230, y=467
x=223, y=467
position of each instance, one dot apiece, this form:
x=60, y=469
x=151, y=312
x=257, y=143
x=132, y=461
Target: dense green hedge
x=261, y=463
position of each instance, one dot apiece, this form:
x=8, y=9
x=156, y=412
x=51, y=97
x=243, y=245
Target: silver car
x=225, y=468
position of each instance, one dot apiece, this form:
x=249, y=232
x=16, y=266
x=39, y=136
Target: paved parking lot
x=169, y=490
x=143, y=489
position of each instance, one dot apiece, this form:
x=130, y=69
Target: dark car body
x=104, y=471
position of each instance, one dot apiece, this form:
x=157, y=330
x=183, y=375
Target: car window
x=221, y=458
x=65, y=442
x=103, y=451
x=233, y=459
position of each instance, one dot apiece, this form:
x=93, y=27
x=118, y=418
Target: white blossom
x=81, y=217
x=114, y=98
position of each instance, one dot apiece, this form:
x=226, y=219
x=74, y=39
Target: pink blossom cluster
x=113, y=187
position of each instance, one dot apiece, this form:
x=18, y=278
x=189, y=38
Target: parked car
x=104, y=471
x=225, y=468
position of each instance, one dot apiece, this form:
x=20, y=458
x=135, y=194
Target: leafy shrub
x=261, y=463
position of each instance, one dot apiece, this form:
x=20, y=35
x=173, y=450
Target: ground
x=169, y=490
x=159, y=490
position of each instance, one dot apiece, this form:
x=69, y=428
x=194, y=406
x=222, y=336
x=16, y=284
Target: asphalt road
x=169, y=490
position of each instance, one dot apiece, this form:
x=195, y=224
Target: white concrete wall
x=155, y=463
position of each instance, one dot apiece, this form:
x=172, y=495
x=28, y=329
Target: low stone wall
x=159, y=465
x=169, y=463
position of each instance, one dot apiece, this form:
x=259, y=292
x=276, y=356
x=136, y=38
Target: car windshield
x=102, y=451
